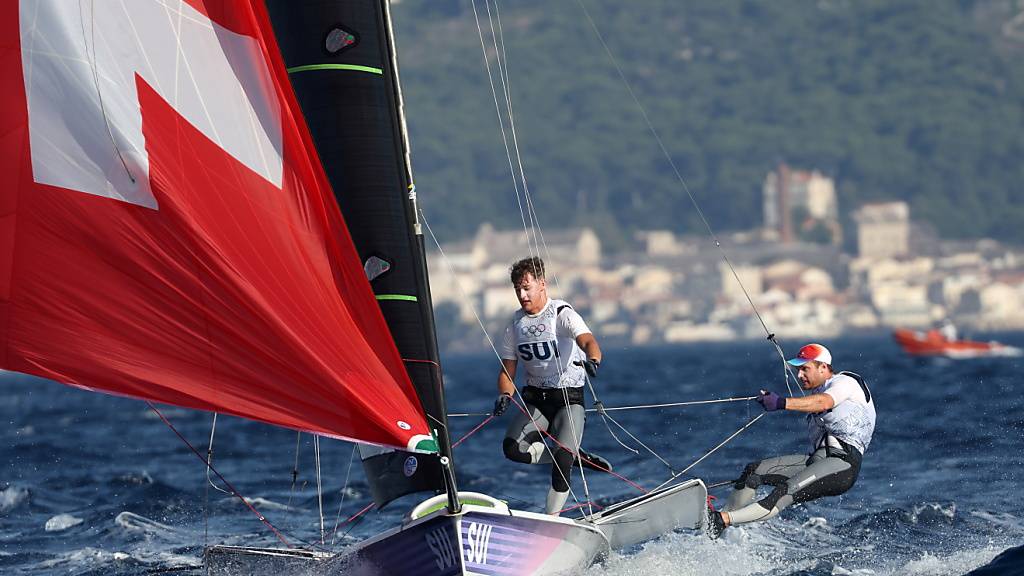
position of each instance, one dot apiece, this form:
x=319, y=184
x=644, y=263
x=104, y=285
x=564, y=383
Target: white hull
x=656, y=513
x=485, y=540
x=478, y=541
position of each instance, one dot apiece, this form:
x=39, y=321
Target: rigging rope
x=206, y=488
x=672, y=404
x=319, y=486
x=578, y=454
x=209, y=456
x=295, y=468
x=258, y=514
x=530, y=215
x=501, y=120
x=344, y=491
x=634, y=407
x=351, y=520
x=518, y=397
x=490, y=341
x=686, y=188
x=96, y=81
x=605, y=418
x=712, y=451
x=474, y=430
x=595, y=464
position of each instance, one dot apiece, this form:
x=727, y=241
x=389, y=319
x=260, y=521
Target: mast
x=343, y=68
x=427, y=306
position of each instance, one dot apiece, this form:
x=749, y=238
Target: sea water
x=94, y=484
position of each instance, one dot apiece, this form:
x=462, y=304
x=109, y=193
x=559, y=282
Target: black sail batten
x=341, y=61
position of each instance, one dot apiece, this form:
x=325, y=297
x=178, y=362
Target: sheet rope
x=235, y=492
x=693, y=200
x=633, y=407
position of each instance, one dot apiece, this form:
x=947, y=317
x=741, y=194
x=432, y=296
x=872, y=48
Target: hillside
x=911, y=99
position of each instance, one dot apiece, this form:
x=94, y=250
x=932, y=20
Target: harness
x=848, y=452
x=861, y=382
x=552, y=398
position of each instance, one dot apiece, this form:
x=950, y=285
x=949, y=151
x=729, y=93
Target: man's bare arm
x=506, y=378
x=588, y=344
x=812, y=403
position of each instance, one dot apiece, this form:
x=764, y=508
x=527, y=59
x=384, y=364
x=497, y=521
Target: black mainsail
x=341, y=61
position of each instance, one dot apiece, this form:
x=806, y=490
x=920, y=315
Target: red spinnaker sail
x=166, y=229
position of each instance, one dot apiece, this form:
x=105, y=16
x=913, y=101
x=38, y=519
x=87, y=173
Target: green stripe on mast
x=351, y=67
x=397, y=297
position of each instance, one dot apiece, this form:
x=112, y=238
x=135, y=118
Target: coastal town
x=894, y=272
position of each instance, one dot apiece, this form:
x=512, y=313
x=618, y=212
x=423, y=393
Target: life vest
x=547, y=355
x=849, y=421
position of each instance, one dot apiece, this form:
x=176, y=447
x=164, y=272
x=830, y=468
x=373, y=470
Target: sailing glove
x=501, y=403
x=771, y=401
x=590, y=366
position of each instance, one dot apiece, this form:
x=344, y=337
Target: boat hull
x=653, y=514
x=472, y=543
x=477, y=542
x=485, y=540
x=933, y=344
x=237, y=560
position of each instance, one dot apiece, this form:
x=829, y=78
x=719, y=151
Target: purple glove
x=771, y=401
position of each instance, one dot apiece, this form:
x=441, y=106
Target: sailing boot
x=714, y=524
x=592, y=461
x=555, y=502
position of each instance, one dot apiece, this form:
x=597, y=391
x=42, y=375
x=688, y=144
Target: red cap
x=812, y=352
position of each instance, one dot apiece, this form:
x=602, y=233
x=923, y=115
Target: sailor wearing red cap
x=840, y=421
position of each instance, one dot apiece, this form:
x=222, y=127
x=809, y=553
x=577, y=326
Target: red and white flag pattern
x=167, y=231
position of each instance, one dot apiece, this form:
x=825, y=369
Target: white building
x=883, y=229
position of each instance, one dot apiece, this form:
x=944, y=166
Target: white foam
x=1003, y=519
x=62, y=522
x=266, y=504
x=816, y=523
x=91, y=558
x=695, y=554
x=957, y=563
x=932, y=510
x=135, y=523
x=351, y=492
x=87, y=556
x=11, y=497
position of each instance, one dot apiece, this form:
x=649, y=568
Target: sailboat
x=210, y=204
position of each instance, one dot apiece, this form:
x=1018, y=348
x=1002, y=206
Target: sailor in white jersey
x=840, y=422
x=559, y=352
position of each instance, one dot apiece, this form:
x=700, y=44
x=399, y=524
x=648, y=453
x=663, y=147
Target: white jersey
x=851, y=420
x=545, y=344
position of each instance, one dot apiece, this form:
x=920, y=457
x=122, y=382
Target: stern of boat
x=486, y=538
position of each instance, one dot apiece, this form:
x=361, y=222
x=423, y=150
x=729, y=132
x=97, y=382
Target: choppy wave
x=267, y=504
x=927, y=502
x=135, y=523
x=90, y=559
x=11, y=497
x=870, y=544
x=1008, y=562
x=953, y=564
x=61, y=522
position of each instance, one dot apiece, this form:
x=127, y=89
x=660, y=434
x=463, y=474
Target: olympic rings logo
x=533, y=329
